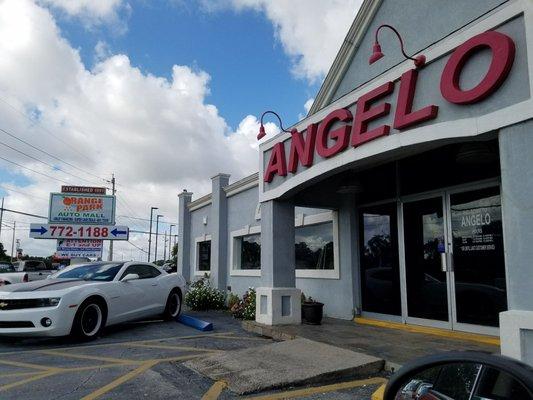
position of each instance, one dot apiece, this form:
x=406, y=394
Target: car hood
x=46, y=285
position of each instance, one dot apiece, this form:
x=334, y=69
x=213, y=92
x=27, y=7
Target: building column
x=219, y=231
x=516, y=325
x=278, y=301
x=184, y=235
x=349, y=249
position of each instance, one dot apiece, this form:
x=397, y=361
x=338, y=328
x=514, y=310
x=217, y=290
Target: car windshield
x=6, y=268
x=92, y=272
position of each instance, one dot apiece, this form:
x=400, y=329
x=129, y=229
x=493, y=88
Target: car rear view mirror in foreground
x=462, y=376
x=130, y=277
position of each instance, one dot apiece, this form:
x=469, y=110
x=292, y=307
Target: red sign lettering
x=340, y=135
x=365, y=113
x=327, y=142
x=503, y=51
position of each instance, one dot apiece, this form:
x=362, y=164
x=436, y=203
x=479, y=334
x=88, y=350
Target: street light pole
x=150, y=234
x=156, y=234
x=165, y=248
x=13, y=240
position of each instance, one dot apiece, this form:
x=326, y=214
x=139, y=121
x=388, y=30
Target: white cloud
x=311, y=31
x=157, y=135
x=95, y=9
x=308, y=104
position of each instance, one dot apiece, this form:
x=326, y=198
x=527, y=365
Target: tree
x=3, y=255
x=174, y=254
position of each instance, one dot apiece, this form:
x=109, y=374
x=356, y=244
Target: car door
x=142, y=293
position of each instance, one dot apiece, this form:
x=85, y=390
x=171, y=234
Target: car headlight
x=49, y=302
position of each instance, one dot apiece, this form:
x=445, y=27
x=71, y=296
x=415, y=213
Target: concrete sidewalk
x=292, y=363
x=393, y=345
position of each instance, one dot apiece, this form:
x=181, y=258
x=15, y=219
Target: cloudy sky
x=162, y=93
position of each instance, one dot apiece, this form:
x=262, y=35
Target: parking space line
x=293, y=394
x=123, y=343
x=145, y=366
x=170, y=347
x=87, y=357
x=31, y=379
x=215, y=390
x=27, y=365
x=17, y=374
x=378, y=394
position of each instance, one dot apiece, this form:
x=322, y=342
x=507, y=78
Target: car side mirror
x=461, y=375
x=130, y=277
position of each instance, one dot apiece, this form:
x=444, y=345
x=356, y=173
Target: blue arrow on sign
x=42, y=230
x=116, y=232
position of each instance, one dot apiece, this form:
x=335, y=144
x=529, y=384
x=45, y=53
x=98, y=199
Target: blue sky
x=158, y=137
x=249, y=70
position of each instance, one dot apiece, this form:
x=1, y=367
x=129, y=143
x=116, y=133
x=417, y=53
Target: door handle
x=154, y=284
x=443, y=263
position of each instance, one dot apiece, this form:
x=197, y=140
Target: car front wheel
x=173, y=307
x=89, y=320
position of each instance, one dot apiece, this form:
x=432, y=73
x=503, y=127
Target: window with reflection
x=249, y=248
x=314, y=246
x=380, y=273
x=204, y=256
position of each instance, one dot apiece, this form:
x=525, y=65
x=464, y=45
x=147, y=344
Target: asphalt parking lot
x=140, y=360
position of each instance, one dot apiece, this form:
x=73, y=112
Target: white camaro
x=81, y=300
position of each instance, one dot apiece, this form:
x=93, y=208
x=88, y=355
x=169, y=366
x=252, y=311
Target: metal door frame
x=444, y=194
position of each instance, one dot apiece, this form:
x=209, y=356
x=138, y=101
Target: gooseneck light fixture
x=419, y=60
x=262, y=132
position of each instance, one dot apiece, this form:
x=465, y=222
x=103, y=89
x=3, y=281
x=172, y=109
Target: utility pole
x=156, y=234
x=150, y=234
x=110, y=255
x=13, y=240
x=1, y=218
x=165, y=248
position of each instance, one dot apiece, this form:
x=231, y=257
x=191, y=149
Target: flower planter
x=312, y=313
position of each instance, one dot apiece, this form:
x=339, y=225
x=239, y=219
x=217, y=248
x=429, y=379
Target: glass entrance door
x=478, y=268
x=424, y=244
x=454, y=260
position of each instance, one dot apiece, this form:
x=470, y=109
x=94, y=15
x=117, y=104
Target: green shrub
x=245, y=308
x=232, y=300
x=202, y=296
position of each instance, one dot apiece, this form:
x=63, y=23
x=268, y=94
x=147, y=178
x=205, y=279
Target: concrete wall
x=516, y=158
x=241, y=211
x=420, y=22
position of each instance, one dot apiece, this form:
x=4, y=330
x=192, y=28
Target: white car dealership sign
x=67, y=231
x=76, y=208
x=73, y=248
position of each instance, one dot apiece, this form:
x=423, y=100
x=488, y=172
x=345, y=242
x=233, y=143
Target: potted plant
x=312, y=311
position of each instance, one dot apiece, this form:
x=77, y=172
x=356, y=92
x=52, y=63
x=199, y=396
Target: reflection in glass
x=204, y=256
x=380, y=275
x=250, y=251
x=478, y=256
x=314, y=246
x=463, y=381
x=427, y=295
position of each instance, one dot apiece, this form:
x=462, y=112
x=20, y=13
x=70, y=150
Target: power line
x=44, y=129
x=23, y=193
x=48, y=154
x=43, y=162
x=137, y=247
x=23, y=213
x=37, y=172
